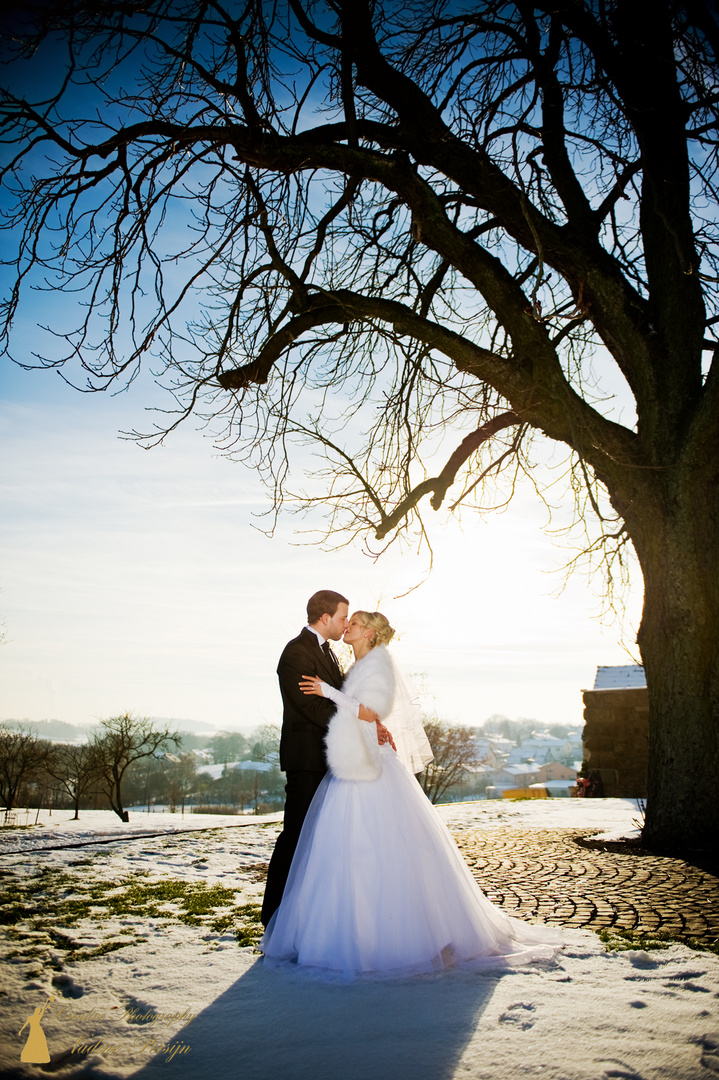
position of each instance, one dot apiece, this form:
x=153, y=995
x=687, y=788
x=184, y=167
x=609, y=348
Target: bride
x=377, y=886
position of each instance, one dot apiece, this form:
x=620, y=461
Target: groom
x=305, y=721
x=304, y=725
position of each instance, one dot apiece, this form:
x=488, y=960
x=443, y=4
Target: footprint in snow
x=709, y=1044
x=518, y=1015
x=67, y=986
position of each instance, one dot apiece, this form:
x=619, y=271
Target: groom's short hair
x=324, y=602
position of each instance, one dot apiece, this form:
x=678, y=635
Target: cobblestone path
x=548, y=875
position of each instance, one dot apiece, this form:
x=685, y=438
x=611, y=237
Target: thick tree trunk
x=679, y=641
x=114, y=794
x=117, y=804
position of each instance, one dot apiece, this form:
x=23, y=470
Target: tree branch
x=439, y=485
x=555, y=408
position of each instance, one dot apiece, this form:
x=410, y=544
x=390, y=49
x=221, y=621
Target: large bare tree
x=117, y=744
x=75, y=767
x=397, y=227
x=22, y=761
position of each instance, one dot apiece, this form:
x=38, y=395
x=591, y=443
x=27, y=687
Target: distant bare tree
x=455, y=754
x=265, y=743
x=75, y=766
x=22, y=757
x=182, y=775
x=121, y=741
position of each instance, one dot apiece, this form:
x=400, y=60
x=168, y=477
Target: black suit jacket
x=305, y=717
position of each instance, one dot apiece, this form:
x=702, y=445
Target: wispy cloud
x=135, y=579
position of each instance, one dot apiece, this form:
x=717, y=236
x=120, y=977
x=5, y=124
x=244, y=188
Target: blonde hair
x=374, y=620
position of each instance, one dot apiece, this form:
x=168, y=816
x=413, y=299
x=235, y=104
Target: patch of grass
x=251, y=929
x=703, y=946
x=135, y=896
x=192, y=903
x=72, y=899
x=73, y=951
x=105, y=947
x=18, y=901
x=616, y=940
x=32, y=952
x=10, y=912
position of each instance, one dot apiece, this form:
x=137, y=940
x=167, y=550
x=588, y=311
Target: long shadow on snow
x=272, y=1025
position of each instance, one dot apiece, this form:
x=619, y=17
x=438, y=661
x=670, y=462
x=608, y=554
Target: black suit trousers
x=299, y=791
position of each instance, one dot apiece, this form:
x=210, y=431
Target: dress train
x=378, y=888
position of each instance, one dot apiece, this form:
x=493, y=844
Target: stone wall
x=616, y=739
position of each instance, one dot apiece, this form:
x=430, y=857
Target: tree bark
x=678, y=547
x=115, y=795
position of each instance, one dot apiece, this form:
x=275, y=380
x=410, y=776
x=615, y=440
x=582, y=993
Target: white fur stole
x=352, y=747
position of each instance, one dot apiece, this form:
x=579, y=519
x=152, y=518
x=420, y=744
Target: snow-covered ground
x=57, y=828
x=140, y=994
x=615, y=817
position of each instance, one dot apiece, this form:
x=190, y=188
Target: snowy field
x=134, y=930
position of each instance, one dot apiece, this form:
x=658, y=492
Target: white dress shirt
x=330, y=691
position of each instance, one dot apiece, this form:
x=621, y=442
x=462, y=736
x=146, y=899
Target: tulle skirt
x=378, y=888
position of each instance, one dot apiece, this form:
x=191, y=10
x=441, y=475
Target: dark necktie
x=325, y=646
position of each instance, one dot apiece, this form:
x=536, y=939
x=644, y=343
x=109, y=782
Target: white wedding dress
x=378, y=888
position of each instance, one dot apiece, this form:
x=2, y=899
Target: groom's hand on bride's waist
x=384, y=735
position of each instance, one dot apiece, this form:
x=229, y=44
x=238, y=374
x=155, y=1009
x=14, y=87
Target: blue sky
x=134, y=579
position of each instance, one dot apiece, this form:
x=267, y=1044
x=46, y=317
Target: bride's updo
x=374, y=620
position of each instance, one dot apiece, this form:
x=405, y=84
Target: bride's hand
x=384, y=735
x=311, y=684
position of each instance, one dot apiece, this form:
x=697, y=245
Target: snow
x=621, y=677
x=217, y=1013
x=556, y=788
x=56, y=828
x=216, y=771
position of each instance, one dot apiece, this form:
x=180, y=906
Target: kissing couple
x=365, y=880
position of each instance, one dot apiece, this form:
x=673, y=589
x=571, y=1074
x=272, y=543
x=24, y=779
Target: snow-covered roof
x=542, y=738
x=622, y=677
x=495, y=741
x=216, y=771
x=558, y=785
x=518, y=770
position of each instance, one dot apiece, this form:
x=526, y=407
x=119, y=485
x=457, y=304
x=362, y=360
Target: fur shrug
x=352, y=748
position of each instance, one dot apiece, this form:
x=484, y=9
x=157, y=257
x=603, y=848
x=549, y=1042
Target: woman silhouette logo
x=35, y=1049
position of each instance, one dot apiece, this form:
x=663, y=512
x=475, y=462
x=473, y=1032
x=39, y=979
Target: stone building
x=616, y=730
